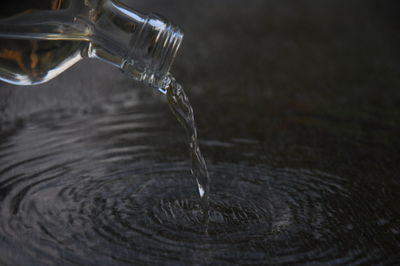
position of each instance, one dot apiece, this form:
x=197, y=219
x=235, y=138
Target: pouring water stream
x=183, y=111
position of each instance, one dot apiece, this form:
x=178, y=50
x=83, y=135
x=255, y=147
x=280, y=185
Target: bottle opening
x=153, y=51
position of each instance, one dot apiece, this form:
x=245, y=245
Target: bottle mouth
x=153, y=51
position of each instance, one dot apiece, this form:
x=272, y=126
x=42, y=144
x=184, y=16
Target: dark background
x=253, y=57
x=285, y=73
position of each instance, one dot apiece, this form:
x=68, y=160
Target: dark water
x=301, y=140
x=110, y=188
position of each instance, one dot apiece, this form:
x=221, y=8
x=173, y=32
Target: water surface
x=113, y=187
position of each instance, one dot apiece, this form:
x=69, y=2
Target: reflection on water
x=111, y=188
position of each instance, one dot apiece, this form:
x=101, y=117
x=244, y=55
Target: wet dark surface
x=297, y=105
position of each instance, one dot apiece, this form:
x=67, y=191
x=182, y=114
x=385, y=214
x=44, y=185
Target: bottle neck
x=144, y=47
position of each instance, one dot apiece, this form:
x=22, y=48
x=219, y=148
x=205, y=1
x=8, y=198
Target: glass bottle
x=39, y=39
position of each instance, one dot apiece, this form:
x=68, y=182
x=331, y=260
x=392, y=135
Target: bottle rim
x=155, y=49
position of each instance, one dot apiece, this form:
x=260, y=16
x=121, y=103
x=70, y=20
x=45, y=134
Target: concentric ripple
x=79, y=191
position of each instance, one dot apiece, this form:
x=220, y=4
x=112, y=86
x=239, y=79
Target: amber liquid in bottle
x=27, y=62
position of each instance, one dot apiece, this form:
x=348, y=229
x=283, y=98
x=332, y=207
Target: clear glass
x=39, y=44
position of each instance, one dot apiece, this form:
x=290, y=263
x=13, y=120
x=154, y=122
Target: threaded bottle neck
x=144, y=47
x=152, y=51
